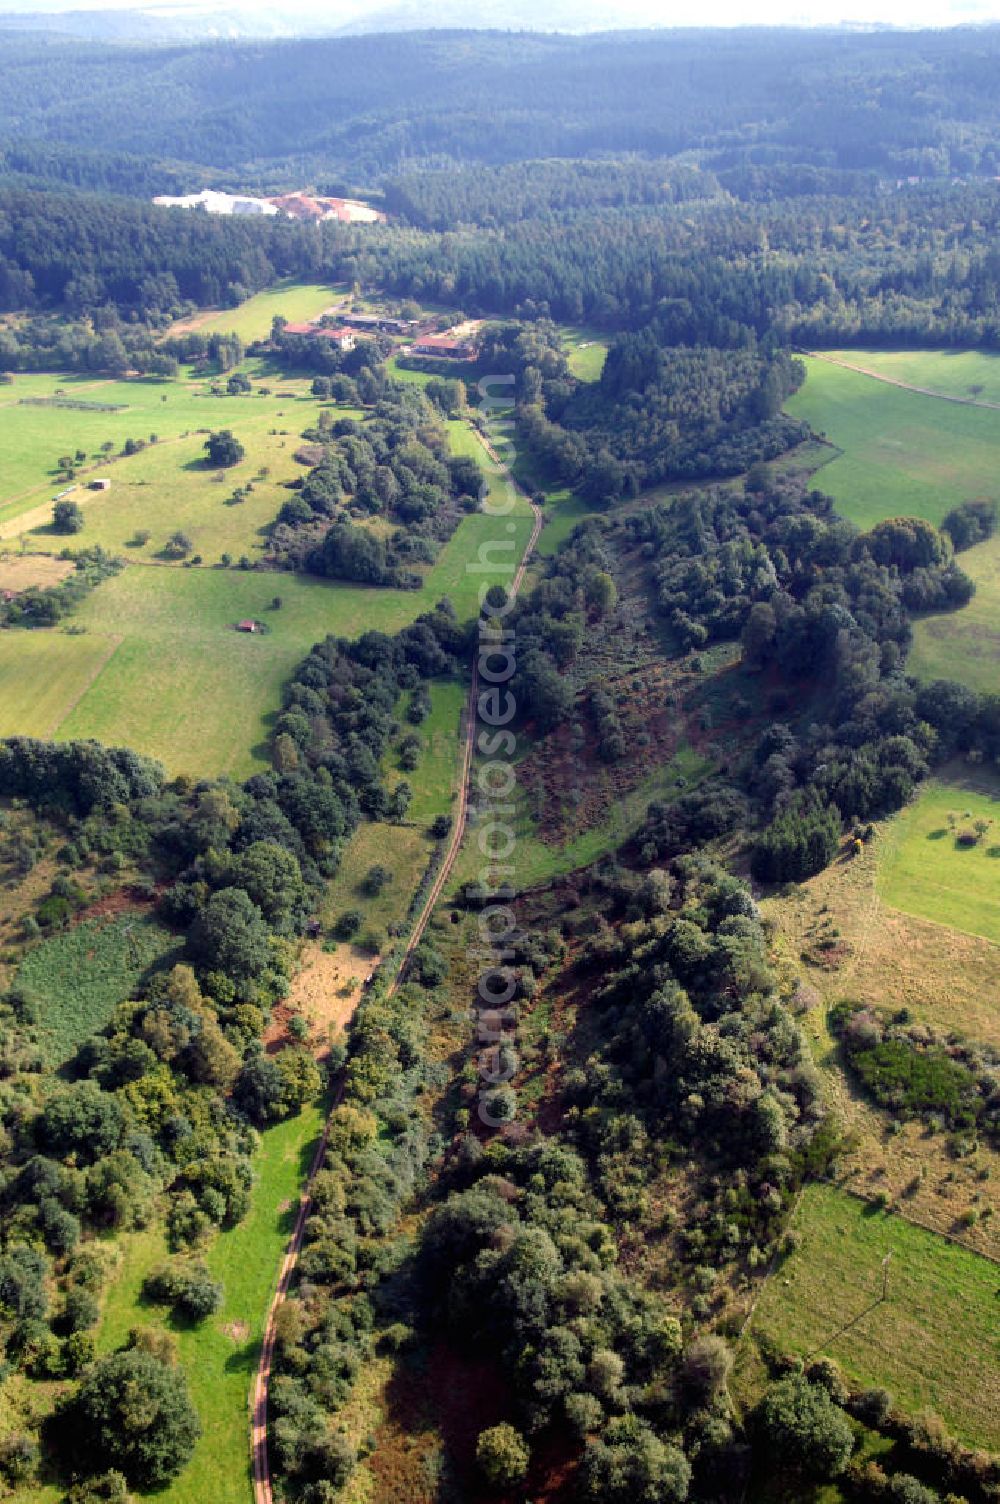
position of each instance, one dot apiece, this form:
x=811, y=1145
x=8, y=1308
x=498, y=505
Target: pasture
x=434, y=778
x=219, y=1356
x=933, y=1343
x=295, y=301
x=970, y=375
x=179, y=413
x=151, y=658
x=586, y=350
x=925, y=869
x=964, y=644
x=79, y=976
x=901, y=453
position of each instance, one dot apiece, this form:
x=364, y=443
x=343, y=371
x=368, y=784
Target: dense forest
x=362, y=107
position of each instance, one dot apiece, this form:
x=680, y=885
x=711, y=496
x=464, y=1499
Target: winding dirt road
x=259, y=1401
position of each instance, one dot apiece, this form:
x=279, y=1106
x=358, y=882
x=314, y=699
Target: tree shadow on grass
x=937, y=835
x=244, y=1359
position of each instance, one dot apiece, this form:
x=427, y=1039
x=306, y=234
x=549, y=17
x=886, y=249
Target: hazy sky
x=589, y=15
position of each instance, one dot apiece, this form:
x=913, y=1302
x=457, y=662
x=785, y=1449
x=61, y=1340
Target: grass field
x=923, y=869
x=586, y=350
x=160, y=668
x=295, y=301
x=79, y=976
x=964, y=644
x=903, y=454
x=973, y=375
x=434, y=779
x=167, y=487
x=934, y=1343
x=220, y=1355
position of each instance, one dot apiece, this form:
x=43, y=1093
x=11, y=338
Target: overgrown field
x=933, y=1343
x=938, y=863
x=837, y=938
x=78, y=977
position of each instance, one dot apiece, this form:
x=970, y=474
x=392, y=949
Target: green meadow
x=971, y=375
x=586, y=350
x=934, y=1343
x=295, y=301
x=160, y=667
x=219, y=1356
x=965, y=644
x=901, y=453
x=434, y=780
x=148, y=488
x=924, y=869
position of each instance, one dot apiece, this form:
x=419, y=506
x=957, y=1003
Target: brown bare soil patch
x=31, y=571
x=325, y=991
x=121, y=901
x=444, y=1403
x=237, y=1331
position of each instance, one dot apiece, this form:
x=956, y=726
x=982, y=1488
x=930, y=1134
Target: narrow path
x=263, y=1493
x=905, y=386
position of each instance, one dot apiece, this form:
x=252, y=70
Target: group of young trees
x=44, y=605
x=395, y=464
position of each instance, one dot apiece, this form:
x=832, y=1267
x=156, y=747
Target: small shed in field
x=248, y=626
x=100, y=485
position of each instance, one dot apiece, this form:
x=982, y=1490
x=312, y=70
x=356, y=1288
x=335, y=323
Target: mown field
x=897, y=453
x=934, y=1343
x=295, y=301
x=971, y=375
x=78, y=977
x=965, y=644
x=924, y=869
x=901, y=453
x=219, y=1356
x=586, y=350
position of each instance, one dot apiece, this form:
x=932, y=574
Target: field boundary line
x=92, y=679
x=904, y=386
x=895, y=1210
